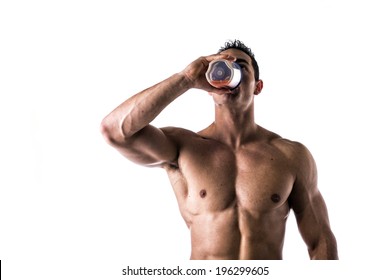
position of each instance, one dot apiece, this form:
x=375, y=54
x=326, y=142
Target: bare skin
x=235, y=182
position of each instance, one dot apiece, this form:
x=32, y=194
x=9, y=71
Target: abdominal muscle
x=236, y=234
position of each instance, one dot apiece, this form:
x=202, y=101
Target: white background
x=72, y=208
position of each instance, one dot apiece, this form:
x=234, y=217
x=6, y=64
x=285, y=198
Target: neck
x=234, y=127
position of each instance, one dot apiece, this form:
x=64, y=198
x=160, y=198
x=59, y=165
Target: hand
x=196, y=73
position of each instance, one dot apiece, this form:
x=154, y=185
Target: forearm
x=142, y=108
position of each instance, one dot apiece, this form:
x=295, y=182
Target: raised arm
x=128, y=128
x=310, y=209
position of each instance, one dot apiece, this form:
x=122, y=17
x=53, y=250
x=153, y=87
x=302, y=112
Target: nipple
x=275, y=198
x=203, y=193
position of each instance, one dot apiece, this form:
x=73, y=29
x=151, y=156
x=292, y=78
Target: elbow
x=325, y=248
x=111, y=132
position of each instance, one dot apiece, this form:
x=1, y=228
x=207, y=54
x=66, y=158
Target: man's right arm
x=128, y=128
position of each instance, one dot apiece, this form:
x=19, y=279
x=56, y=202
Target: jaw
x=237, y=99
x=236, y=106
x=227, y=97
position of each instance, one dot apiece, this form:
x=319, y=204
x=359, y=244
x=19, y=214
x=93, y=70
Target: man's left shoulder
x=290, y=148
x=293, y=149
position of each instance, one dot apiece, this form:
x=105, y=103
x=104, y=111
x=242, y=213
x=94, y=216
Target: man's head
x=237, y=44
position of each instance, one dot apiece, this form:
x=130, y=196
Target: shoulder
x=178, y=131
x=303, y=165
x=180, y=135
x=293, y=149
x=298, y=156
x=304, y=168
x=294, y=153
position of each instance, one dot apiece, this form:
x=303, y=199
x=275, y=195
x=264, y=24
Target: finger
x=220, y=56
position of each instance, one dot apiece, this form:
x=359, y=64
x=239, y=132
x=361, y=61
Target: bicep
x=312, y=217
x=150, y=146
x=307, y=202
x=314, y=227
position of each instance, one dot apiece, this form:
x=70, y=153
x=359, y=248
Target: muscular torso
x=234, y=201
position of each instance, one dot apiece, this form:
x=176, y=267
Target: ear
x=259, y=87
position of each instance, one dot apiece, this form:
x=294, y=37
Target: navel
x=203, y=193
x=275, y=198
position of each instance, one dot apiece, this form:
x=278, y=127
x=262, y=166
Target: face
x=248, y=87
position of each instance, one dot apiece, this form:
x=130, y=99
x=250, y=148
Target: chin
x=236, y=91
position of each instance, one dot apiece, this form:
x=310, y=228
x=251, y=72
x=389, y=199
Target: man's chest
x=214, y=178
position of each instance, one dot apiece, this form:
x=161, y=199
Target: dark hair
x=237, y=44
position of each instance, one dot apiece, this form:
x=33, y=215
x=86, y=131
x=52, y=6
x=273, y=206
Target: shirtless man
x=235, y=181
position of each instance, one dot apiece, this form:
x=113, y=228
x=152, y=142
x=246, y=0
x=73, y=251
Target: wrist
x=184, y=80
